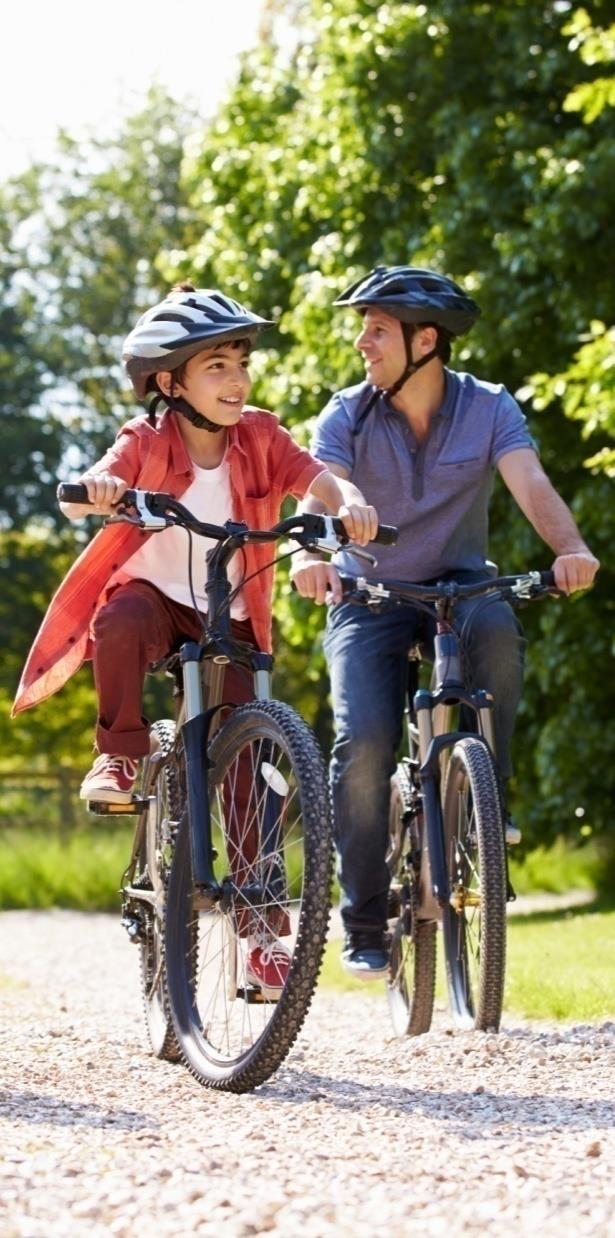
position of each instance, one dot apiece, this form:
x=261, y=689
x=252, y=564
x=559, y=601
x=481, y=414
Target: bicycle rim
x=474, y=923
x=412, y=956
x=272, y=840
x=160, y=781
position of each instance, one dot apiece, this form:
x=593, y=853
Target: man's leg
x=367, y=656
x=493, y=650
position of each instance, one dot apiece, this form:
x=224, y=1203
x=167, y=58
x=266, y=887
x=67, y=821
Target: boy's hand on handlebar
x=360, y=522
x=575, y=571
x=104, y=491
x=315, y=579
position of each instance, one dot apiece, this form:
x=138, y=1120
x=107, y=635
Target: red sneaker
x=268, y=964
x=111, y=780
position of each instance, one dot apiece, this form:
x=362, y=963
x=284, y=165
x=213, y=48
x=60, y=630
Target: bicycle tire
x=411, y=981
x=475, y=930
x=161, y=779
x=230, y=1037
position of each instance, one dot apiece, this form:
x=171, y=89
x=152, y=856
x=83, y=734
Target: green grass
x=556, y=869
x=39, y=869
x=561, y=965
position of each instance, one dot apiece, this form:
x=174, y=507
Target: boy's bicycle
x=233, y=839
x=447, y=854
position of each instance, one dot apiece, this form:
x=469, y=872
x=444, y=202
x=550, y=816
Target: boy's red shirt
x=265, y=466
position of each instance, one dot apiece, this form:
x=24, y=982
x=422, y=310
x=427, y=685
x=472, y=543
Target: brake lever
x=360, y=553
x=145, y=519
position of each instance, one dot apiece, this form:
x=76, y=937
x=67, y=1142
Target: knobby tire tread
x=168, y=1050
x=472, y=761
x=290, y=1011
x=422, y=997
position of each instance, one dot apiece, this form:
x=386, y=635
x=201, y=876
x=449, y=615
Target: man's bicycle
x=233, y=839
x=447, y=855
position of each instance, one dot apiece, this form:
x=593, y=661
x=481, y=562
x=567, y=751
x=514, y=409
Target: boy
x=127, y=597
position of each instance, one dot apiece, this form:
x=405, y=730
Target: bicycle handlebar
x=521, y=586
x=156, y=511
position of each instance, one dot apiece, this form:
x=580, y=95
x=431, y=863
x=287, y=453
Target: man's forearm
x=552, y=519
x=328, y=491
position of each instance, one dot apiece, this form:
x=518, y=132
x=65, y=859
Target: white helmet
x=181, y=326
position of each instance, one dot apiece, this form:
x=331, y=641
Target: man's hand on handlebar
x=315, y=579
x=360, y=522
x=575, y=571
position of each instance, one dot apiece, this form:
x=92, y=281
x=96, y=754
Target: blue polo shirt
x=438, y=492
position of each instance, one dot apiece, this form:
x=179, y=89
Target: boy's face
x=216, y=382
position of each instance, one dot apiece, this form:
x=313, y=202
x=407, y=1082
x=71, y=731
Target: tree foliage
x=476, y=138
x=79, y=241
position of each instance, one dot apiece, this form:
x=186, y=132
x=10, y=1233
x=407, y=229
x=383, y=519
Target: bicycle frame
x=449, y=691
x=203, y=665
x=432, y=707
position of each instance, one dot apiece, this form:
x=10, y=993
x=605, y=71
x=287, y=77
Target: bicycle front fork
x=199, y=726
x=431, y=748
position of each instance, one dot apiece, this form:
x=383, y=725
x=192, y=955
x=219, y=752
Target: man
x=421, y=442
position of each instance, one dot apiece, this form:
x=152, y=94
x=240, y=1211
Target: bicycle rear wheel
x=474, y=923
x=162, y=784
x=273, y=860
x=412, y=957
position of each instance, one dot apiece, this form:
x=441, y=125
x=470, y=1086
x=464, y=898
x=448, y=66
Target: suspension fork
x=274, y=799
x=195, y=737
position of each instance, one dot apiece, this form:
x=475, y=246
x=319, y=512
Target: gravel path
x=357, y=1134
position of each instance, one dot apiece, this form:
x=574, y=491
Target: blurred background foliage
x=475, y=138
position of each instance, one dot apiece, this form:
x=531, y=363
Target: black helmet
x=414, y=295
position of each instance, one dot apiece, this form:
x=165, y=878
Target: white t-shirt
x=163, y=558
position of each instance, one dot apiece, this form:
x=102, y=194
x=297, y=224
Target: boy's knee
x=127, y=609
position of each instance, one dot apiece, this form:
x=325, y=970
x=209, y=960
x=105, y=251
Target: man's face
x=381, y=342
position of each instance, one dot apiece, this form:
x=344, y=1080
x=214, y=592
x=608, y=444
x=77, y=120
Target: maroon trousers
x=138, y=626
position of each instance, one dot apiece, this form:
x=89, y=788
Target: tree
x=475, y=138
x=78, y=251
x=78, y=247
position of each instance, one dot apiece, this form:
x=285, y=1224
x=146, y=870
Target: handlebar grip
x=547, y=579
x=386, y=536
x=72, y=492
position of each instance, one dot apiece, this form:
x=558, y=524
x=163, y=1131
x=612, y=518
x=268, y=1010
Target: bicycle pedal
x=253, y=997
x=135, y=929
x=100, y=808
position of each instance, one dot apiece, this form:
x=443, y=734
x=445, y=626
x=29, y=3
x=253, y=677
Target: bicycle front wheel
x=412, y=958
x=272, y=857
x=474, y=921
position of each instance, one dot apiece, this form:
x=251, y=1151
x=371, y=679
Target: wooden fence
x=53, y=793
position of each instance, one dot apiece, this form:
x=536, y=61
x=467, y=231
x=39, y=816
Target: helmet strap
x=178, y=405
x=410, y=369
x=411, y=366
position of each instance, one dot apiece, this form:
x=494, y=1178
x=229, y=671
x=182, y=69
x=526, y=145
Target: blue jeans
x=367, y=656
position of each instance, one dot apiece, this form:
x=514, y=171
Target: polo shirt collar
x=446, y=407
